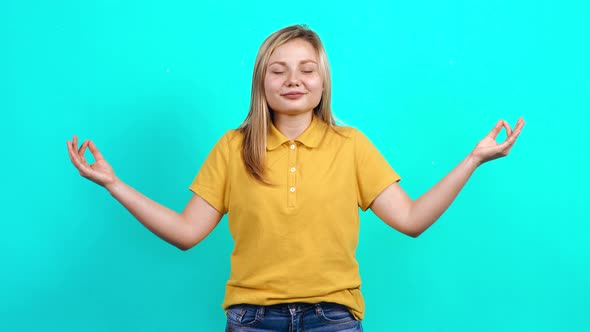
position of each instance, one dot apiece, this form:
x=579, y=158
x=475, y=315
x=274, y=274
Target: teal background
x=156, y=83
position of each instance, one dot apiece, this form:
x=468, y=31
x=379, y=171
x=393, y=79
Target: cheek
x=268, y=91
x=266, y=85
x=271, y=88
x=272, y=83
x=317, y=85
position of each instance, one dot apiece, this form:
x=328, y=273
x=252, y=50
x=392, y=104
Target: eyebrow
x=284, y=63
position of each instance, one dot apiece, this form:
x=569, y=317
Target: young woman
x=291, y=182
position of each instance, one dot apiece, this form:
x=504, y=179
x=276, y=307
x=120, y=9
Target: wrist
x=113, y=186
x=473, y=161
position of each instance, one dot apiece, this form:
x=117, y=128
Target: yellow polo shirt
x=295, y=241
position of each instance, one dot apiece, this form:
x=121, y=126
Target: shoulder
x=348, y=133
x=355, y=139
x=342, y=131
x=231, y=139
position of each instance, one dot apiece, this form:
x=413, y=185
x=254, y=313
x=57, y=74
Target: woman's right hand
x=100, y=172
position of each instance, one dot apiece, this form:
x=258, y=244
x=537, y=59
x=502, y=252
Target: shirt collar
x=311, y=137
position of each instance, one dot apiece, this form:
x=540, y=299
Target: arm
x=181, y=230
x=399, y=211
x=413, y=217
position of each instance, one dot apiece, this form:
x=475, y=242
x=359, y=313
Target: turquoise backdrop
x=156, y=83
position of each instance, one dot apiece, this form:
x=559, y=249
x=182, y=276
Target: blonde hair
x=256, y=125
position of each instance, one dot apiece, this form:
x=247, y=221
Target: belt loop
x=318, y=309
x=260, y=312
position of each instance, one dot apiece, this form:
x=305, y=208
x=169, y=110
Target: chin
x=290, y=111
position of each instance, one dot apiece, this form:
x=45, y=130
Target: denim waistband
x=295, y=307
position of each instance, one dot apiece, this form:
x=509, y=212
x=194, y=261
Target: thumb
x=95, y=152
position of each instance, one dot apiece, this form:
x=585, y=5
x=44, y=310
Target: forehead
x=294, y=50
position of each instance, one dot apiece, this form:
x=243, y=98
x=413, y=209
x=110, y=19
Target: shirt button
x=292, y=169
x=292, y=189
x=292, y=146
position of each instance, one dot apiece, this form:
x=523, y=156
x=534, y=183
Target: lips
x=293, y=95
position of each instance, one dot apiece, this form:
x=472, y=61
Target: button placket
x=292, y=175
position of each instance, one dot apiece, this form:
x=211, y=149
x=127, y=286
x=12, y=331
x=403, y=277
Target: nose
x=293, y=79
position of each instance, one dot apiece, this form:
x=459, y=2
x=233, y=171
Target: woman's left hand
x=488, y=149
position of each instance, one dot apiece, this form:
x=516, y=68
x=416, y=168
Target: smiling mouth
x=294, y=95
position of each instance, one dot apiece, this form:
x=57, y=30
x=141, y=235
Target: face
x=293, y=83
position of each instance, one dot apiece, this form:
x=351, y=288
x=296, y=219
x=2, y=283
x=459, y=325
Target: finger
x=494, y=132
x=517, y=130
x=515, y=135
x=69, y=147
x=73, y=155
x=511, y=135
x=82, y=146
x=95, y=152
x=505, y=147
x=84, y=170
x=508, y=129
x=520, y=123
x=509, y=143
x=81, y=152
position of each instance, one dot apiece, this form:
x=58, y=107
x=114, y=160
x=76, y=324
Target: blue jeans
x=291, y=317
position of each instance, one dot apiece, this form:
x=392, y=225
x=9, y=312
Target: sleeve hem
x=376, y=193
x=209, y=198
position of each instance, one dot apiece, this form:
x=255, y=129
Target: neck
x=292, y=125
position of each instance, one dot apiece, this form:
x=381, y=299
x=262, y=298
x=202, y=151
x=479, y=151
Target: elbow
x=413, y=231
x=413, y=234
x=182, y=246
x=409, y=231
x=189, y=239
x=185, y=246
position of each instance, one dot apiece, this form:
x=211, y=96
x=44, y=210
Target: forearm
x=425, y=210
x=162, y=221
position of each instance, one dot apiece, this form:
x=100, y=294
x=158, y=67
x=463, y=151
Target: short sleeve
x=211, y=181
x=373, y=172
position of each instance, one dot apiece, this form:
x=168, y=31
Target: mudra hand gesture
x=488, y=149
x=100, y=172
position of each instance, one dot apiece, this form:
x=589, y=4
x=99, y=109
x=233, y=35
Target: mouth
x=293, y=95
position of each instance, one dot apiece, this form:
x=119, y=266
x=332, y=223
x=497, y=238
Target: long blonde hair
x=256, y=125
